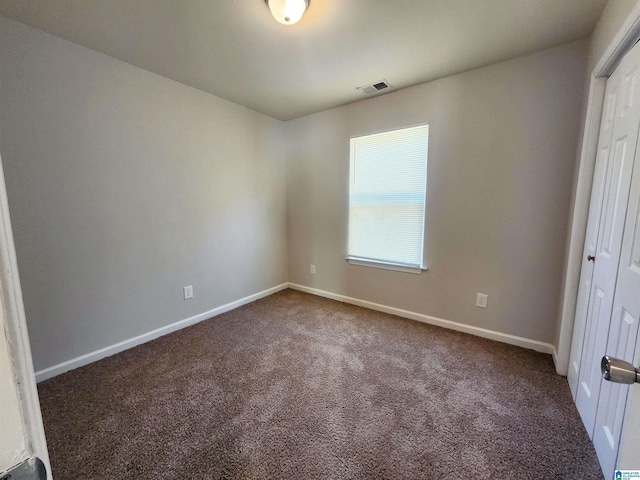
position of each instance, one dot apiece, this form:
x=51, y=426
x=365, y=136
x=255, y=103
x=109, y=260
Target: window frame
x=383, y=264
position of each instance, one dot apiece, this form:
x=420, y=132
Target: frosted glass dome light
x=287, y=12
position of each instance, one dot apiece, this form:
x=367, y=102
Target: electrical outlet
x=188, y=292
x=312, y=269
x=481, y=300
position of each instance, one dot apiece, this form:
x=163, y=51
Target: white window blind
x=387, y=195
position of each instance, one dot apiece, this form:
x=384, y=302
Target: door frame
x=625, y=38
x=17, y=335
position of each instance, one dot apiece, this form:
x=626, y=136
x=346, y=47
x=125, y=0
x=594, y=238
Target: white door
x=22, y=439
x=623, y=334
x=621, y=154
x=13, y=442
x=593, y=226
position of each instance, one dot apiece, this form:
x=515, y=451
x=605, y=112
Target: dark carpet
x=295, y=386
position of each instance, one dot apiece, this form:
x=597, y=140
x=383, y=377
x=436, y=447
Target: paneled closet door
x=610, y=231
x=623, y=333
x=593, y=224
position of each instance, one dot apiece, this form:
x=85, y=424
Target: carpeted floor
x=295, y=386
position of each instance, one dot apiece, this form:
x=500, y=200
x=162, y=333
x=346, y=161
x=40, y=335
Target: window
x=387, y=196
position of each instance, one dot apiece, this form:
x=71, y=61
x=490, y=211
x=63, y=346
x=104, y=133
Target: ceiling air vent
x=374, y=87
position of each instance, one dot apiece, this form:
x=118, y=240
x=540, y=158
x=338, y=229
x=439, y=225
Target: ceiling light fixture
x=287, y=12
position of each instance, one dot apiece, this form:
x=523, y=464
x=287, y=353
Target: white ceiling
x=236, y=50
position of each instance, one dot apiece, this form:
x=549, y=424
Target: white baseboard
x=460, y=327
x=556, y=362
x=146, y=337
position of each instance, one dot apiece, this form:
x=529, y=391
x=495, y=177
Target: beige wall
x=125, y=186
x=501, y=156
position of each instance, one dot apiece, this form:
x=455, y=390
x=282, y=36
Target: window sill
x=386, y=265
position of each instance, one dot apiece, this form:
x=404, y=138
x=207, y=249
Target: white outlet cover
x=188, y=292
x=481, y=300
